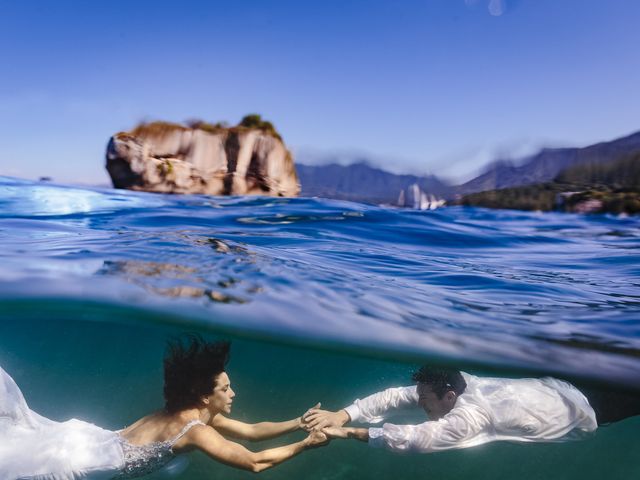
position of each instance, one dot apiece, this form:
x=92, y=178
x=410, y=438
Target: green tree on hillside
x=620, y=174
x=254, y=120
x=615, y=185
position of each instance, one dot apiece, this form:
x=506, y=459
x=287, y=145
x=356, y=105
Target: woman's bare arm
x=256, y=431
x=253, y=431
x=212, y=443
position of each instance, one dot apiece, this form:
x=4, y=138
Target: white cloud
x=497, y=7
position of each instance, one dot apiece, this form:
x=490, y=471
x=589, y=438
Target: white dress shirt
x=490, y=409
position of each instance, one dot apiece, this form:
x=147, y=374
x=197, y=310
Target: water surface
x=324, y=301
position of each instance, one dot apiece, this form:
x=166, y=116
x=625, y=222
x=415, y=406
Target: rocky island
x=214, y=159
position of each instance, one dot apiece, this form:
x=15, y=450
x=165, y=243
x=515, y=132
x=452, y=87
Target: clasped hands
x=328, y=423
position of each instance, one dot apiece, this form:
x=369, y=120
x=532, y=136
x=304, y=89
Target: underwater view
x=324, y=240
x=323, y=301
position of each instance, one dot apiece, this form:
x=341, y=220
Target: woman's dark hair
x=190, y=367
x=441, y=380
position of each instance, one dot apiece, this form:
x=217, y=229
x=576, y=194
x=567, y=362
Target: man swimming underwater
x=465, y=411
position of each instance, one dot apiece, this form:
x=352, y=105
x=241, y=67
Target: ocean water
x=323, y=300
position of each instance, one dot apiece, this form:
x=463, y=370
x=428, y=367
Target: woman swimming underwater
x=198, y=395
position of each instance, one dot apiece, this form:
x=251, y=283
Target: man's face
x=435, y=407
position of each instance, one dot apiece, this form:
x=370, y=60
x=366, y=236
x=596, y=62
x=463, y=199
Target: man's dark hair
x=190, y=368
x=441, y=380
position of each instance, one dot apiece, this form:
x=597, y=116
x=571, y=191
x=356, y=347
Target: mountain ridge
x=360, y=181
x=547, y=163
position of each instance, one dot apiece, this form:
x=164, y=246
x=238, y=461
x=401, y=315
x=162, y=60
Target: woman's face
x=221, y=398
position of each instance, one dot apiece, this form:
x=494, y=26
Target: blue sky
x=432, y=86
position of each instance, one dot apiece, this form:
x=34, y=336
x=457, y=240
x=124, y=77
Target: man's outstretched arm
x=371, y=409
x=361, y=434
x=465, y=428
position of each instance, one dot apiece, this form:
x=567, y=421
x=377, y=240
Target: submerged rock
x=202, y=158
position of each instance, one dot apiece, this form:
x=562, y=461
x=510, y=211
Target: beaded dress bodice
x=140, y=460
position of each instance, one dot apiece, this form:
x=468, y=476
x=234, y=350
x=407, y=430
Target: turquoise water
x=324, y=301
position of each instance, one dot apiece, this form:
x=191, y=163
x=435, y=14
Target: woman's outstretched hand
x=304, y=423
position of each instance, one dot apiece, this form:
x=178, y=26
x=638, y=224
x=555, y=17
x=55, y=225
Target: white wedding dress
x=33, y=447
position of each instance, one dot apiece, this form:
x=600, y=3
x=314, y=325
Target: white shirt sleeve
x=460, y=428
x=373, y=409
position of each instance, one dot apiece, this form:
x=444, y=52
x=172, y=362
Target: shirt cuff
x=376, y=437
x=353, y=411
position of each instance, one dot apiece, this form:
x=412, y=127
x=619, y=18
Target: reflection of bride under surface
x=36, y=448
